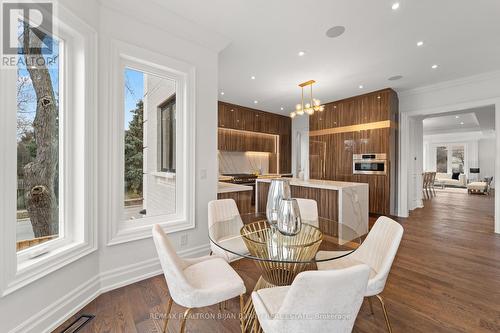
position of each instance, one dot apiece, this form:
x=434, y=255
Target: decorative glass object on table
x=289, y=220
x=279, y=189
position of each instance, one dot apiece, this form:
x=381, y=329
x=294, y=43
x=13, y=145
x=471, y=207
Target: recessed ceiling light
x=255, y=102
x=282, y=108
x=301, y=53
x=395, y=77
x=395, y=6
x=420, y=43
x=457, y=117
x=434, y=66
x=361, y=86
x=461, y=123
x=252, y=77
x=335, y=32
x=222, y=93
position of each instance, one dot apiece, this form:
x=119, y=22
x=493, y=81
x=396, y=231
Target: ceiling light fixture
x=461, y=123
x=457, y=117
x=395, y=6
x=282, y=108
x=301, y=53
x=361, y=86
x=252, y=77
x=309, y=108
x=420, y=43
x=255, y=102
x=222, y=93
x=434, y=66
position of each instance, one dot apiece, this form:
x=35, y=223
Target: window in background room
x=149, y=144
x=442, y=159
x=457, y=158
x=39, y=172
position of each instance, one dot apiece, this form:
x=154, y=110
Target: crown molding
x=156, y=14
x=489, y=76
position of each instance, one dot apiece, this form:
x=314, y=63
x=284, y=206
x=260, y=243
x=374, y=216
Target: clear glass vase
x=289, y=220
x=278, y=190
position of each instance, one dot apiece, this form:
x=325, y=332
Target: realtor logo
x=19, y=18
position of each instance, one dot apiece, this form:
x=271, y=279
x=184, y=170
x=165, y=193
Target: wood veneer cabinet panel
x=327, y=199
x=243, y=200
x=252, y=120
x=331, y=154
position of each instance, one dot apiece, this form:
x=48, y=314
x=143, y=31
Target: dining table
x=281, y=257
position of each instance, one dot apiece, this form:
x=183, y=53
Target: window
x=149, y=145
x=48, y=142
x=151, y=167
x=39, y=210
x=457, y=159
x=450, y=158
x=167, y=135
x=442, y=159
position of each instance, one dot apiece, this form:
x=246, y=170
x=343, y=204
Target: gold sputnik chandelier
x=309, y=107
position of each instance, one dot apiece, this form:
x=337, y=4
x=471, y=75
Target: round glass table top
x=251, y=236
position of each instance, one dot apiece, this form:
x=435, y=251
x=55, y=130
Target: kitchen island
x=344, y=202
x=242, y=194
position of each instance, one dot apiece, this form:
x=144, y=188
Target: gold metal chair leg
x=169, y=307
x=385, y=312
x=242, y=320
x=371, y=304
x=184, y=318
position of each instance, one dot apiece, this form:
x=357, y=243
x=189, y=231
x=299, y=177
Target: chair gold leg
x=242, y=320
x=371, y=304
x=184, y=318
x=385, y=312
x=169, y=307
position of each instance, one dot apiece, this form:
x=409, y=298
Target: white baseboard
x=58, y=312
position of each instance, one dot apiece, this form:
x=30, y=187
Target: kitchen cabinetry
x=357, y=125
x=257, y=131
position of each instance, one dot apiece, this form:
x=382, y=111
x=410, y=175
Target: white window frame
x=449, y=147
x=78, y=237
x=124, y=56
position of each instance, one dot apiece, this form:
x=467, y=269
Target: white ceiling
x=480, y=120
x=461, y=36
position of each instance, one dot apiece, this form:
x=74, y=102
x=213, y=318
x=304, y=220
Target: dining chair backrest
x=172, y=265
x=221, y=210
x=379, y=249
x=336, y=293
x=308, y=210
x=432, y=178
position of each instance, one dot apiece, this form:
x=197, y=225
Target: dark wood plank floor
x=446, y=278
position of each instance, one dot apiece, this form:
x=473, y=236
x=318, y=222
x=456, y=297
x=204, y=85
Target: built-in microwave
x=369, y=164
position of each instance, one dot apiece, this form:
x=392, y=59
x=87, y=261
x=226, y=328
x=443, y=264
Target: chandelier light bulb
x=298, y=107
x=300, y=112
x=310, y=111
x=308, y=105
x=292, y=114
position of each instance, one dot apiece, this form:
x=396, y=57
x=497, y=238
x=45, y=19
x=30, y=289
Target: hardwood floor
x=446, y=278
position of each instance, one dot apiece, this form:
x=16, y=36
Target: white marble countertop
x=223, y=187
x=315, y=183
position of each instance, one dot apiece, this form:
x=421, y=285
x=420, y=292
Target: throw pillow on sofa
x=455, y=175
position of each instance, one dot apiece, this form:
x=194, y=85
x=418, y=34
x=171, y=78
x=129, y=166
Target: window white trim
x=80, y=232
x=122, y=55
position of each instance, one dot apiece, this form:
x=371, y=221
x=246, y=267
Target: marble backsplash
x=243, y=162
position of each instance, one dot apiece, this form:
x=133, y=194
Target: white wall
x=42, y=305
x=471, y=92
x=486, y=149
x=300, y=145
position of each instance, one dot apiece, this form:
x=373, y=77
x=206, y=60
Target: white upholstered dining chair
x=225, y=210
x=196, y=282
x=308, y=210
x=378, y=252
x=317, y=301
